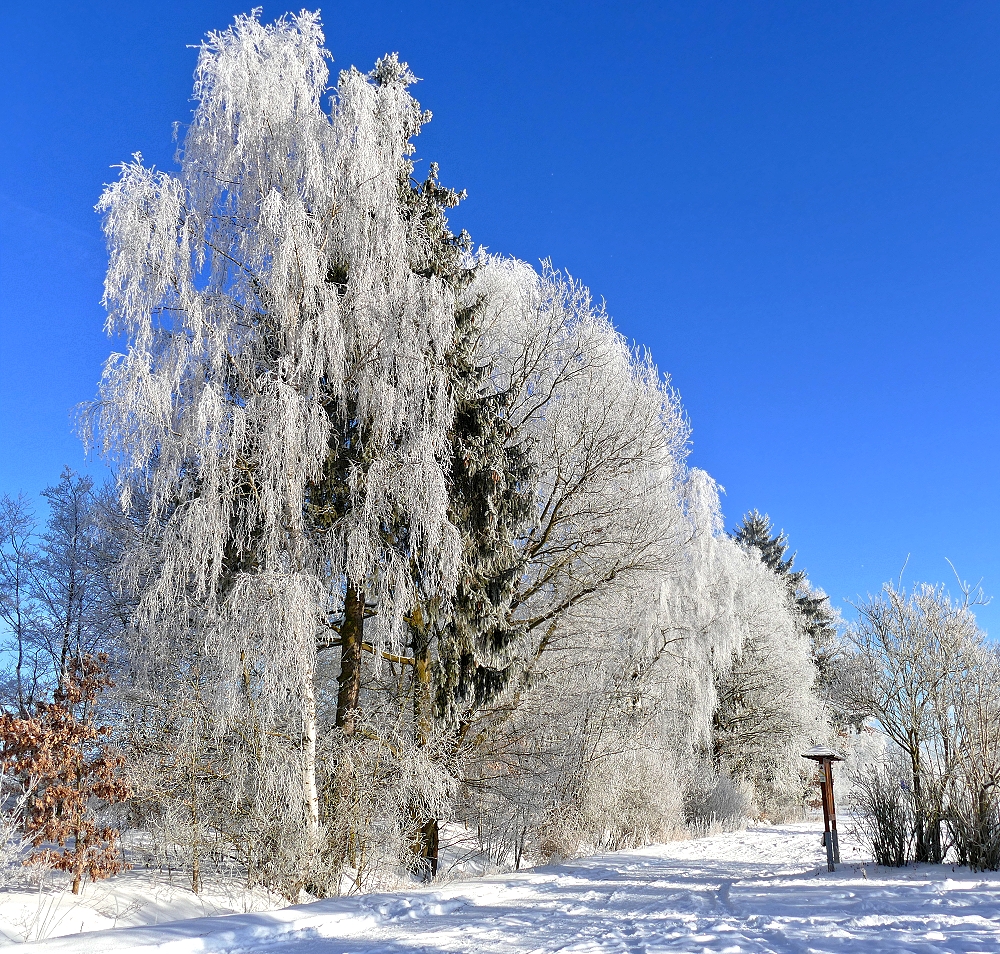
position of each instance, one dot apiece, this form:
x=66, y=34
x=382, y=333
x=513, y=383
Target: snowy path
x=765, y=890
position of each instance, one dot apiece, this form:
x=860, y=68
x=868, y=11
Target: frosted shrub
x=632, y=798
x=716, y=802
x=974, y=823
x=502, y=826
x=884, y=817
x=373, y=787
x=15, y=797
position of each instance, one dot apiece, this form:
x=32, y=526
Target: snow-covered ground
x=763, y=890
x=138, y=897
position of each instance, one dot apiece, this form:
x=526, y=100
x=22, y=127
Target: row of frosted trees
x=408, y=546
x=923, y=673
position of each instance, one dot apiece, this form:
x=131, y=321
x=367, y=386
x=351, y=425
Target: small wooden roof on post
x=826, y=757
x=821, y=752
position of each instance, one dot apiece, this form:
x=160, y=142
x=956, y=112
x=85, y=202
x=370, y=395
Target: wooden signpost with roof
x=826, y=757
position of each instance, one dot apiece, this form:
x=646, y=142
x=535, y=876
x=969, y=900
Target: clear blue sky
x=795, y=205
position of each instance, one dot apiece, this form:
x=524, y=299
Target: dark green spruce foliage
x=755, y=531
x=461, y=647
x=491, y=487
x=492, y=504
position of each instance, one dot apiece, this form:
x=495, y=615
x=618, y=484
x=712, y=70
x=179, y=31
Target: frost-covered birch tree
x=283, y=396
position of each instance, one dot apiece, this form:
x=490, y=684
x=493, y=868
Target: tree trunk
x=309, y=786
x=351, y=638
x=423, y=700
x=429, y=839
x=22, y=704
x=920, y=849
x=78, y=850
x=425, y=836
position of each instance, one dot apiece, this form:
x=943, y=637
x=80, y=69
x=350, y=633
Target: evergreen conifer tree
x=814, y=608
x=463, y=655
x=461, y=646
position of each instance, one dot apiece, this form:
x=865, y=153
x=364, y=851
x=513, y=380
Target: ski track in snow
x=764, y=890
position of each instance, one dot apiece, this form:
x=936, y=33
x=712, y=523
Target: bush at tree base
x=974, y=822
x=884, y=815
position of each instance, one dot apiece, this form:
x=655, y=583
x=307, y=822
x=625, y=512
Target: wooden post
x=826, y=757
x=828, y=765
x=830, y=839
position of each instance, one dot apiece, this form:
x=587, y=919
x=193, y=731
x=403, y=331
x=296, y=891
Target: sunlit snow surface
x=764, y=890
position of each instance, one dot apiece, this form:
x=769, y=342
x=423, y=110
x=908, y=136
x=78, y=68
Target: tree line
x=402, y=540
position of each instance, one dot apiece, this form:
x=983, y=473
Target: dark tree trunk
x=424, y=838
x=428, y=840
x=351, y=638
x=921, y=852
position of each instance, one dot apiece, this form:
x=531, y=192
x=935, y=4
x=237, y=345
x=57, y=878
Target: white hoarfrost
x=635, y=601
x=608, y=436
x=284, y=413
x=267, y=301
